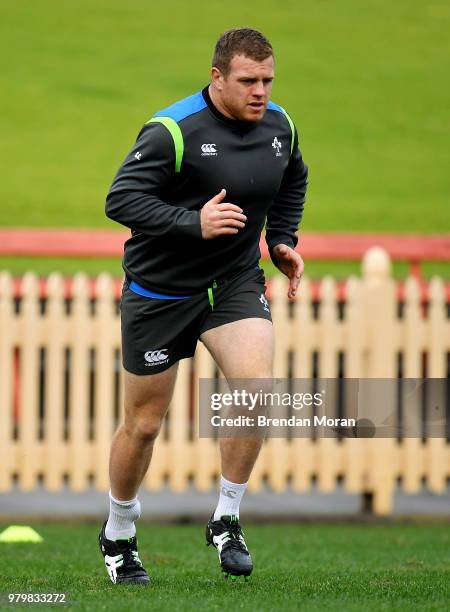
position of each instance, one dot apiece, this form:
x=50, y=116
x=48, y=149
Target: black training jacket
x=182, y=158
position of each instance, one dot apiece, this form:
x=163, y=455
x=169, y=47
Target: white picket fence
x=61, y=387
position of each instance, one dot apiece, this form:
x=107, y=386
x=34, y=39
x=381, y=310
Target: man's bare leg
x=146, y=401
x=242, y=349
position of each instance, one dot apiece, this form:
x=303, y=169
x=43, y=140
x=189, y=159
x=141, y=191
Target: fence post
x=327, y=447
x=304, y=336
x=411, y=450
x=54, y=377
x=274, y=453
x=105, y=323
x=7, y=325
x=80, y=460
x=355, y=451
x=437, y=452
x=179, y=457
x=379, y=303
x=29, y=382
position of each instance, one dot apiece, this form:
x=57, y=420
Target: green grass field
x=366, y=83
x=307, y=567
x=297, y=567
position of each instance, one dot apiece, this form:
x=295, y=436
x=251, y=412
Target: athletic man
x=204, y=176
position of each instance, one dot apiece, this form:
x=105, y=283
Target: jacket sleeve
x=136, y=195
x=286, y=211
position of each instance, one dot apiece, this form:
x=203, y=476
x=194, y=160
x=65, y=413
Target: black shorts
x=156, y=332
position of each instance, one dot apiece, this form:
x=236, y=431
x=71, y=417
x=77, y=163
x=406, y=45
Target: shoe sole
x=235, y=577
x=144, y=581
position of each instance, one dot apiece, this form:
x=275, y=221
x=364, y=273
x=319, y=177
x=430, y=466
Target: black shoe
x=122, y=560
x=227, y=536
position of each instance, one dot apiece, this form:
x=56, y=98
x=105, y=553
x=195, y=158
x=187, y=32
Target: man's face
x=245, y=91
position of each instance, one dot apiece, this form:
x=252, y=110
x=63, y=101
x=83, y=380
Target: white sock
x=122, y=514
x=230, y=497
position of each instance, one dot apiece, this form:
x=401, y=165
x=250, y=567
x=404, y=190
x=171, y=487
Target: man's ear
x=217, y=78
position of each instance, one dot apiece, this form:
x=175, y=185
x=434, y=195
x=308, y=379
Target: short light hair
x=240, y=41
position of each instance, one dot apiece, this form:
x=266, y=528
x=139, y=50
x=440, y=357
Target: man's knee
x=257, y=388
x=143, y=420
x=143, y=428
x=146, y=401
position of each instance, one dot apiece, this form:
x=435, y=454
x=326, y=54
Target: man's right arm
x=134, y=199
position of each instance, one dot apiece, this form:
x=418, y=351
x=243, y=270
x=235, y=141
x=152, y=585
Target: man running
x=196, y=189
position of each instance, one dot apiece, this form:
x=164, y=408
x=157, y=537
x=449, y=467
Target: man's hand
x=218, y=218
x=291, y=264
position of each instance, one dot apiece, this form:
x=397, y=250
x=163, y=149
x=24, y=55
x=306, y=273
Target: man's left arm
x=284, y=216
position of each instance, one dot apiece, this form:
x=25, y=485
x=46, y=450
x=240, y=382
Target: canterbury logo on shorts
x=156, y=357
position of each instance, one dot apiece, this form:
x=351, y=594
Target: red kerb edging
x=332, y=246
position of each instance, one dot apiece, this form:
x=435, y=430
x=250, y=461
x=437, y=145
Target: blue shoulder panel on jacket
x=183, y=108
x=274, y=107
